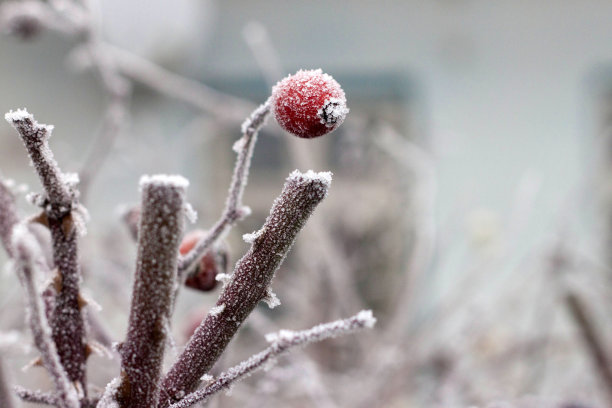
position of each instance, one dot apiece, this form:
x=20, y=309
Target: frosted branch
x=27, y=254
x=234, y=210
x=249, y=283
x=8, y=216
x=160, y=232
x=36, y=397
x=6, y=396
x=64, y=217
x=35, y=137
x=281, y=342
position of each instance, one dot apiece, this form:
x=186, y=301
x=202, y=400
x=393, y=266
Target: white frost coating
x=325, y=176
x=20, y=115
x=367, y=318
x=190, y=213
x=108, y=399
x=214, y=311
x=333, y=112
x=251, y=237
x=164, y=180
x=206, y=378
x=223, y=278
x=271, y=299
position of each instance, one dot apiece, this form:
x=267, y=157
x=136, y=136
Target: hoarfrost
x=271, y=299
x=214, y=311
x=164, y=180
x=190, y=213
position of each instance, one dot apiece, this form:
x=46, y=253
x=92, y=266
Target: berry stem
x=234, y=211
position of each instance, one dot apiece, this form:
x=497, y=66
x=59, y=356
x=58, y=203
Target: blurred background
x=471, y=206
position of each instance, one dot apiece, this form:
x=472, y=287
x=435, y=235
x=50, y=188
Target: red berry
x=203, y=278
x=309, y=104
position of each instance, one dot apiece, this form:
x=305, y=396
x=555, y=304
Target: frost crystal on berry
x=309, y=104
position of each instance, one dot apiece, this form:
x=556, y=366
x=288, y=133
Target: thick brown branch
x=160, y=232
x=249, y=283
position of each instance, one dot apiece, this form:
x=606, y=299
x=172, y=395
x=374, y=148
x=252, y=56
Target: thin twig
x=222, y=106
x=36, y=396
x=26, y=254
x=234, y=211
x=249, y=284
x=282, y=342
x=161, y=229
x=8, y=216
x=64, y=217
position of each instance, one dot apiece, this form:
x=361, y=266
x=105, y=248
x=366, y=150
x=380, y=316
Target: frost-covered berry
x=309, y=103
x=214, y=262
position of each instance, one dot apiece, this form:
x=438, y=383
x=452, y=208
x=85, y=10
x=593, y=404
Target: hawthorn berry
x=309, y=103
x=214, y=262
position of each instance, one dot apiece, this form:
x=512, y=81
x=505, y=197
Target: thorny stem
x=59, y=203
x=161, y=229
x=249, y=283
x=282, y=342
x=233, y=207
x=26, y=253
x=8, y=217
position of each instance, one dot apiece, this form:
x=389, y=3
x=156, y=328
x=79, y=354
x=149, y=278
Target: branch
x=249, y=283
x=161, y=228
x=64, y=216
x=6, y=396
x=220, y=105
x=36, y=397
x=26, y=257
x=8, y=216
x=234, y=210
x=592, y=340
x=282, y=342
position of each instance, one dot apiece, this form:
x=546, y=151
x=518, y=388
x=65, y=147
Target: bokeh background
x=471, y=202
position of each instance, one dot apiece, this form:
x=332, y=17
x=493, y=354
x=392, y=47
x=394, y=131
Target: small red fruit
x=214, y=262
x=309, y=104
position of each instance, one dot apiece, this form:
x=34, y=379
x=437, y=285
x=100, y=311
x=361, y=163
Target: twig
x=26, y=253
x=592, y=341
x=282, y=342
x=8, y=217
x=222, y=106
x=64, y=216
x=161, y=228
x=6, y=396
x=36, y=397
x=234, y=211
x=249, y=283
